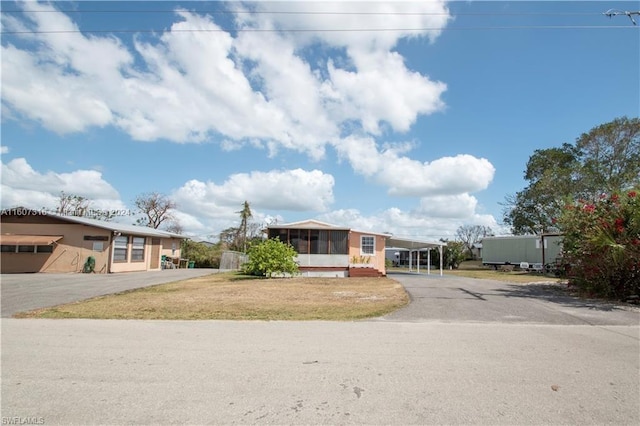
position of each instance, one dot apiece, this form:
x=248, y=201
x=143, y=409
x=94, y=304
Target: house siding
x=377, y=260
x=78, y=243
x=69, y=253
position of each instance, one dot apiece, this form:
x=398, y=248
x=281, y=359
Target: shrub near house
x=602, y=245
x=271, y=258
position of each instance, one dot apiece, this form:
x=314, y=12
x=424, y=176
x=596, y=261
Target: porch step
x=364, y=272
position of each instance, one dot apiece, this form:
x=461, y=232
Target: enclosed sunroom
x=328, y=250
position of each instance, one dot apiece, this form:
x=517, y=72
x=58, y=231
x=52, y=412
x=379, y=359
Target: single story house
x=36, y=241
x=328, y=250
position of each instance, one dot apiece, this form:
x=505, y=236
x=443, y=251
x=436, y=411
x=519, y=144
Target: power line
x=320, y=30
x=283, y=12
x=610, y=13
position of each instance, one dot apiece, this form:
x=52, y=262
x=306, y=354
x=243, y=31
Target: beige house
x=34, y=241
x=329, y=250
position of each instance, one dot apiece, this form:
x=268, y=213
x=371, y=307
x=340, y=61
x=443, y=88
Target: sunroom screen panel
x=339, y=243
x=322, y=243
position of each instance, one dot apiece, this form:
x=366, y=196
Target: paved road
x=23, y=292
x=449, y=358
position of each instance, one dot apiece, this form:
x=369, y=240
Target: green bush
x=203, y=255
x=602, y=245
x=271, y=257
x=454, y=254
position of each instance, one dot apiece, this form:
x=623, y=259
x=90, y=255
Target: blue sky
x=418, y=119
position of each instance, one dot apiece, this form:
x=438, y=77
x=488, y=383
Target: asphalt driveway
x=24, y=292
x=457, y=299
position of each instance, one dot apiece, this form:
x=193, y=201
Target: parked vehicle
x=529, y=252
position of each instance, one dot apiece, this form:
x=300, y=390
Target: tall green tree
x=610, y=157
x=604, y=160
x=552, y=175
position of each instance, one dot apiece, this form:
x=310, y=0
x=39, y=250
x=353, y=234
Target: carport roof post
x=416, y=245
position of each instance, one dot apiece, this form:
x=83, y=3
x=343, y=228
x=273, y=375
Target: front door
x=155, y=253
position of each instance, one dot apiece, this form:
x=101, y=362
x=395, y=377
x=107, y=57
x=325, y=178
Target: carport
x=416, y=246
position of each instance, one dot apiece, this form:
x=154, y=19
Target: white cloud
x=289, y=190
x=407, y=177
x=24, y=186
x=341, y=23
x=190, y=86
x=459, y=206
x=447, y=175
x=18, y=174
x=408, y=224
x=42, y=92
x=289, y=83
x=383, y=89
x=56, y=85
x=4, y=149
x=206, y=208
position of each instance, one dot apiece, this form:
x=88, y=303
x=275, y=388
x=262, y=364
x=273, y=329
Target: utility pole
x=614, y=12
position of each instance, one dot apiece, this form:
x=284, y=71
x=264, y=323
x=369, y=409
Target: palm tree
x=245, y=215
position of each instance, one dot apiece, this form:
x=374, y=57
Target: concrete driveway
x=23, y=292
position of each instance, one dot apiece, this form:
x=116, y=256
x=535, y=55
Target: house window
x=27, y=249
x=120, y=248
x=368, y=245
x=137, y=249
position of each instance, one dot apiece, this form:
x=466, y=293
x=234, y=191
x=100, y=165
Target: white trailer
x=527, y=251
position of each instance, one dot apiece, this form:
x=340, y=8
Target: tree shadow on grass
x=562, y=295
